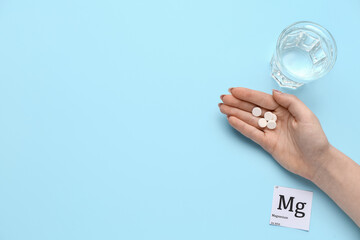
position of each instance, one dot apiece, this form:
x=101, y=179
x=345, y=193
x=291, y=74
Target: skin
x=298, y=143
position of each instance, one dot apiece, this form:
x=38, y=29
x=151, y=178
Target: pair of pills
x=269, y=119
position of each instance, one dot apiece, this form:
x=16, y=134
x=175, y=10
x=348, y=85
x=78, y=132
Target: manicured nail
x=276, y=91
x=222, y=96
x=219, y=104
x=230, y=89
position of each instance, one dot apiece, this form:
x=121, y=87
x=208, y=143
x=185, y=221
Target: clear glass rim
x=321, y=29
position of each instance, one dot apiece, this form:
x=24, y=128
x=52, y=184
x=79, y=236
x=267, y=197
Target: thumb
x=294, y=105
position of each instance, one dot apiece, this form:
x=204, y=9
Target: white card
x=291, y=208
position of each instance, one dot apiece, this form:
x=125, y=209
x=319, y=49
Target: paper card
x=291, y=208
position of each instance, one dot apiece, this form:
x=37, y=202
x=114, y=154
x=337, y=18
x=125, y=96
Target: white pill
x=262, y=122
x=268, y=116
x=271, y=124
x=256, y=111
x=274, y=117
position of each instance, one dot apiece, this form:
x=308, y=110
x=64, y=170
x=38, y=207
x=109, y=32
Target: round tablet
x=262, y=122
x=256, y=111
x=271, y=124
x=268, y=116
x=274, y=117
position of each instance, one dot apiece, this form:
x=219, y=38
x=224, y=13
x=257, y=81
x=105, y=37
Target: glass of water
x=305, y=51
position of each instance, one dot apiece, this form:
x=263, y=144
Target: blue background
x=110, y=128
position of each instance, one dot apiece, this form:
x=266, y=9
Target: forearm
x=339, y=178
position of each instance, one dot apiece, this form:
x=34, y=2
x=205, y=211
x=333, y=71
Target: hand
x=298, y=143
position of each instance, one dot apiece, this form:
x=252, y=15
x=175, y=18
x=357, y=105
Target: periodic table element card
x=291, y=208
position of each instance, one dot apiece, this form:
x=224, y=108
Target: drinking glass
x=305, y=51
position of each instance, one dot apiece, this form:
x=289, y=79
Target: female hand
x=298, y=142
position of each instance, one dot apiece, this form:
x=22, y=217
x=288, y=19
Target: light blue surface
x=110, y=129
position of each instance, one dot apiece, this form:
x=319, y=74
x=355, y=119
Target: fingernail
x=219, y=104
x=276, y=91
x=222, y=96
x=230, y=89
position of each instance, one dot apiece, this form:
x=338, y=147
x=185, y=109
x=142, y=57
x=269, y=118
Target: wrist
x=327, y=163
x=338, y=177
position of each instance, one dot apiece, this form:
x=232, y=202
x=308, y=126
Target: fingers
x=241, y=114
x=247, y=130
x=294, y=105
x=232, y=101
x=255, y=97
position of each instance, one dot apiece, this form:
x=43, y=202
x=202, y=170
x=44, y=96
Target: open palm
x=297, y=143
